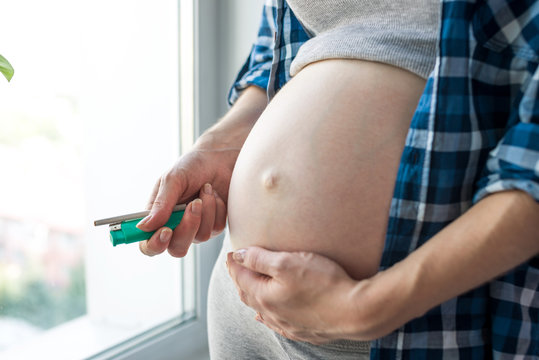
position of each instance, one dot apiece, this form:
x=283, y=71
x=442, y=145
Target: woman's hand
x=201, y=178
x=302, y=296
x=310, y=298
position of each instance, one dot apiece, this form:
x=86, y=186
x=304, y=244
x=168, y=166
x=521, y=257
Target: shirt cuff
x=255, y=71
x=513, y=164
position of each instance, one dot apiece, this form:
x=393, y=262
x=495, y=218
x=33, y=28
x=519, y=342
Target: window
x=88, y=122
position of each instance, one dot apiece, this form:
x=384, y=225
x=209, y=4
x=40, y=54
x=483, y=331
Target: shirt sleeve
x=514, y=163
x=256, y=69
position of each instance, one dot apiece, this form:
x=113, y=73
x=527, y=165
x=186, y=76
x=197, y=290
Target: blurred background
x=42, y=208
x=89, y=121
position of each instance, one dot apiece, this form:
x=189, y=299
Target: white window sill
x=84, y=338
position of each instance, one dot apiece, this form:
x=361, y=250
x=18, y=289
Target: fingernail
x=196, y=207
x=258, y=317
x=144, y=221
x=239, y=255
x=165, y=235
x=207, y=189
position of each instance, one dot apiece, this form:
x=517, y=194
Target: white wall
x=225, y=33
x=237, y=31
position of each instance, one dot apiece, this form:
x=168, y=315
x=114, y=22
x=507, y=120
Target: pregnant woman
x=317, y=170
x=330, y=183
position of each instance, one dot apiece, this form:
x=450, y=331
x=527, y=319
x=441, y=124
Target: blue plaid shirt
x=279, y=38
x=475, y=132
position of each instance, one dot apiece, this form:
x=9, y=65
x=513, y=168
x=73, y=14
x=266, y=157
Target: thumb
x=168, y=193
x=262, y=261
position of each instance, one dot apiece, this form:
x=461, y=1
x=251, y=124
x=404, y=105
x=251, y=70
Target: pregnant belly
x=318, y=170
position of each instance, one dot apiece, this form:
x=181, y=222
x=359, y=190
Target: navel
x=270, y=180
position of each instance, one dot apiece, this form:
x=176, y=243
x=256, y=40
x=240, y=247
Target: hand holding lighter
x=123, y=229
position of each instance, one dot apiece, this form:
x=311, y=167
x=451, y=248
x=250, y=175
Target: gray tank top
x=402, y=33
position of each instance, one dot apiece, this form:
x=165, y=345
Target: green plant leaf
x=6, y=68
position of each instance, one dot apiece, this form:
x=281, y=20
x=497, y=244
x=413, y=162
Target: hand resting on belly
x=317, y=171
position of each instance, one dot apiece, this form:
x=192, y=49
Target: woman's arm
x=497, y=234
x=310, y=298
x=205, y=173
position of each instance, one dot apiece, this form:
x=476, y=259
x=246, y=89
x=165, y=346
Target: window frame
x=183, y=337
x=209, y=73
x=188, y=339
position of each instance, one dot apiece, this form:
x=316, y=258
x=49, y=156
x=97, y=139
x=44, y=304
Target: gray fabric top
x=402, y=33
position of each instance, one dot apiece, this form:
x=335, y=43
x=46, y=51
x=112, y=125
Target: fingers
x=164, y=197
x=176, y=242
x=220, y=215
x=187, y=229
x=203, y=217
x=208, y=214
x=262, y=261
x=266, y=295
x=213, y=214
x=247, y=281
x=157, y=243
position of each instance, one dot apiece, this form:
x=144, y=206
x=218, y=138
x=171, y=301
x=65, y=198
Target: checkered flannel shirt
x=475, y=132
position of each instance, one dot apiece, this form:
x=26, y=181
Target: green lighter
x=123, y=229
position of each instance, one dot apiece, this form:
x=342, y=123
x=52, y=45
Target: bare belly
x=318, y=170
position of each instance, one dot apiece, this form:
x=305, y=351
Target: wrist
x=216, y=139
x=231, y=131
x=384, y=302
x=365, y=310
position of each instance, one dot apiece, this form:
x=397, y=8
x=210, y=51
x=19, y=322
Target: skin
x=293, y=290
x=201, y=178
x=326, y=169
x=328, y=161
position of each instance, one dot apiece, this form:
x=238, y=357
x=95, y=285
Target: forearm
x=494, y=236
x=203, y=173
x=230, y=132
